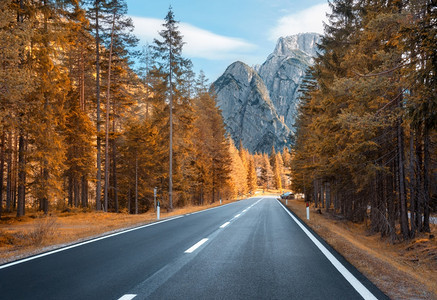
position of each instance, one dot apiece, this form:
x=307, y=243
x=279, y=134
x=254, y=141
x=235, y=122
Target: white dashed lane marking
x=195, y=246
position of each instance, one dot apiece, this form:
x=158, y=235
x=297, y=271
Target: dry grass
x=405, y=270
x=36, y=233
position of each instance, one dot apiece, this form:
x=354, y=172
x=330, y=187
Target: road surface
x=250, y=249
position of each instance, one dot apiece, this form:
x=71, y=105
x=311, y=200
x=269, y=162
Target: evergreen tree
x=237, y=180
x=266, y=173
x=95, y=15
x=170, y=66
x=15, y=83
x=78, y=130
x=212, y=154
x=251, y=176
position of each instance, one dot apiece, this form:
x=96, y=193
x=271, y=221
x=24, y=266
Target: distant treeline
x=366, y=138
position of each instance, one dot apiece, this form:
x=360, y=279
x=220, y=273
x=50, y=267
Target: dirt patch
x=405, y=270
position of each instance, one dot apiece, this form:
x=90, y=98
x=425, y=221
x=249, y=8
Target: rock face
x=249, y=114
x=259, y=104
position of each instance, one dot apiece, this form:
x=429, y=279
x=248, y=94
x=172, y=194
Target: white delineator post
x=154, y=196
x=158, y=208
x=308, y=210
x=286, y=201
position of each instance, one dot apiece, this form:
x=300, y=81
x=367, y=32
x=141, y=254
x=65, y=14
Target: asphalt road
x=251, y=249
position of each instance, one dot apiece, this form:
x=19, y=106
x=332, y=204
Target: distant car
x=287, y=195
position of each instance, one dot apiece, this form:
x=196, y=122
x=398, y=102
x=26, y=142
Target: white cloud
x=200, y=43
x=308, y=20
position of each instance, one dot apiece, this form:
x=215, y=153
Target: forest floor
x=35, y=233
x=402, y=270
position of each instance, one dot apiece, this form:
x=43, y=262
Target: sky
x=218, y=33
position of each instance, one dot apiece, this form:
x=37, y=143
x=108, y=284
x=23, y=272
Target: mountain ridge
x=265, y=97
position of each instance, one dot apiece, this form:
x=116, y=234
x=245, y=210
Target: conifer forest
x=90, y=118
x=366, y=143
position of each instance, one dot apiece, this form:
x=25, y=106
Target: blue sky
x=218, y=33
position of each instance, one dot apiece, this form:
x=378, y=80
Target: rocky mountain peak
x=259, y=104
x=305, y=42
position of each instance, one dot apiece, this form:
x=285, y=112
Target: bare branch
x=383, y=72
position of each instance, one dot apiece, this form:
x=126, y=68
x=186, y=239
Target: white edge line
x=237, y=216
x=356, y=284
x=195, y=246
x=101, y=238
x=224, y=225
x=84, y=243
x=128, y=297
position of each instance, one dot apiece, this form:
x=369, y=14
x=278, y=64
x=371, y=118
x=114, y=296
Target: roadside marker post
x=308, y=210
x=220, y=201
x=154, y=196
x=157, y=211
x=286, y=201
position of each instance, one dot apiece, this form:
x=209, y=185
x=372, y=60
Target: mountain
x=249, y=114
x=259, y=104
x=284, y=70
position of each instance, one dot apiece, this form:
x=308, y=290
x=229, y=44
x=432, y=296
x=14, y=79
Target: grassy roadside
x=405, y=270
x=36, y=233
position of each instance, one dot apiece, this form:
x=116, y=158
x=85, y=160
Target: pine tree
x=171, y=66
x=237, y=180
x=212, y=153
x=52, y=21
x=251, y=176
x=78, y=131
x=118, y=40
x=15, y=83
x=266, y=173
x=95, y=15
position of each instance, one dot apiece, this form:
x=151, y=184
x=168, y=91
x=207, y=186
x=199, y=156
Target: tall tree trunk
x=114, y=171
x=84, y=192
x=412, y=185
x=114, y=158
x=128, y=201
x=108, y=108
x=45, y=199
x=381, y=191
x=374, y=213
x=322, y=193
x=14, y=175
x=99, y=142
x=405, y=230
x=82, y=81
x=316, y=198
x=21, y=201
x=76, y=191
x=213, y=183
x=70, y=189
x=136, y=183
x=9, y=174
x=2, y=163
x=336, y=206
x=419, y=180
x=170, y=172
x=426, y=179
